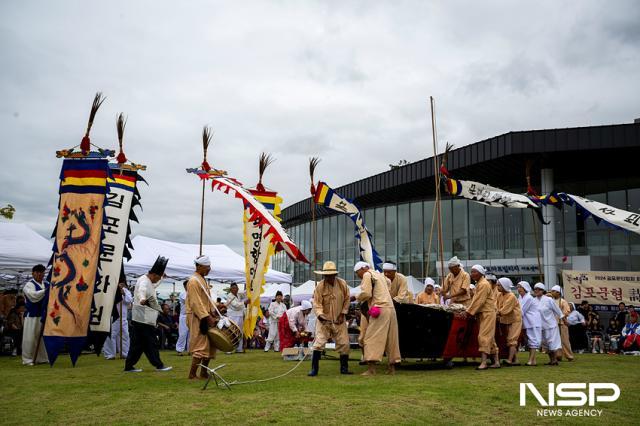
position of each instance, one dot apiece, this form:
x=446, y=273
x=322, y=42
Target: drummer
x=456, y=286
x=399, y=289
x=428, y=296
x=200, y=308
x=292, y=324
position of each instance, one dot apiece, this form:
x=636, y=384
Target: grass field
x=97, y=391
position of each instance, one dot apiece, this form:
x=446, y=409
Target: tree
x=400, y=164
x=7, y=212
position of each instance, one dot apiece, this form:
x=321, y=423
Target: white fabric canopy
x=415, y=286
x=226, y=265
x=21, y=248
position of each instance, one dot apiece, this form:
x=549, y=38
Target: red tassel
x=206, y=166
x=260, y=187
x=313, y=190
x=85, y=145
x=121, y=158
x=531, y=191
x=444, y=171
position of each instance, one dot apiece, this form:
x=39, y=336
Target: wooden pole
x=121, y=303
x=437, y=183
x=535, y=233
x=202, y=216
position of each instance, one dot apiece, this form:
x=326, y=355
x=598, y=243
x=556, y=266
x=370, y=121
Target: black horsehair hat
x=159, y=266
x=38, y=268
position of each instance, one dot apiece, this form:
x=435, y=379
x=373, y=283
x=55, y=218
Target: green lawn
x=97, y=391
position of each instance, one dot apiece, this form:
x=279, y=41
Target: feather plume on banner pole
x=121, y=123
x=85, y=145
x=264, y=162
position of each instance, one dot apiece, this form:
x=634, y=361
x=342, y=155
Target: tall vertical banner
x=76, y=252
x=258, y=250
x=327, y=197
x=118, y=212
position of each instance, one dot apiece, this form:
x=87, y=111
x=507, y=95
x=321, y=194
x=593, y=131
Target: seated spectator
x=577, y=330
x=630, y=335
x=613, y=335
x=257, y=341
x=167, y=328
x=597, y=335
x=15, y=320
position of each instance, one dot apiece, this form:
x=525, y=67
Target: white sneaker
x=134, y=370
x=267, y=347
x=164, y=369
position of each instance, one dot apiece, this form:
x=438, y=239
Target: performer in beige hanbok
x=381, y=334
x=556, y=293
x=399, y=289
x=483, y=307
x=331, y=305
x=200, y=307
x=428, y=296
x=509, y=313
x=457, y=283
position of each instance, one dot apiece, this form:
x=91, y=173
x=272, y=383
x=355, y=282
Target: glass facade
x=471, y=231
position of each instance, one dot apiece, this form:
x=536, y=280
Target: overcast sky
x=346, y=81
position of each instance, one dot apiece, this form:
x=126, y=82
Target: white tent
x=304, y=291
x=226, y=265
x=415, y=286
x=21, y=248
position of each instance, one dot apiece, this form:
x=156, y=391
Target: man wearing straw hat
x=456, y=286
x=399, y=289
x=199, y=306
x=331, y=305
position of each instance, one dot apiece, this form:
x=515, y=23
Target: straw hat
x=329, y=268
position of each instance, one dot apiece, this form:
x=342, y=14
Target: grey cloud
x=349, y=83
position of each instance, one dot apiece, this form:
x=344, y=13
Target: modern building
x=601, y=163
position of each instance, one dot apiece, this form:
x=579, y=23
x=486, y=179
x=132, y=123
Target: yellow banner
x=602, y=287
x=257, y=252
x=75, y=264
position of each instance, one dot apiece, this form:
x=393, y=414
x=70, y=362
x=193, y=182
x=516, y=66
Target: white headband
x=429, y=281
x=360, y=265
x=203, y=260
x=540, y=286
x=479, y=268
x=454, y=261
x=506, y=283
x=389, y=267
x=525, y=285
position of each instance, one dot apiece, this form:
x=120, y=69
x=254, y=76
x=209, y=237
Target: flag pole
x=313, y=163
x=437, y=184
x=206, y=140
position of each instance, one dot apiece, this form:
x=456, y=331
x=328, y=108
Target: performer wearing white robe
x=182, y=345
x=530, y=320
x=34, y=291
x=550, y=313
x=235, y=311
x=112, y=343
x=277, y=308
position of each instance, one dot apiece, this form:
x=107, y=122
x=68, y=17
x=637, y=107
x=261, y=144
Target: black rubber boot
x=315, y=363
x=344, y=364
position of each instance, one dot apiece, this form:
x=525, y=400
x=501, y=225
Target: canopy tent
x=226, y=265
x=415, y=286
x=20, y=249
